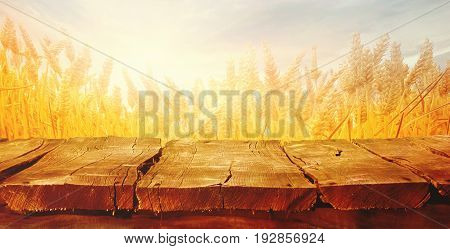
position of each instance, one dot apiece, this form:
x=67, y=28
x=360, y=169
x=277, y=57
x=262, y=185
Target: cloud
x=193, y=39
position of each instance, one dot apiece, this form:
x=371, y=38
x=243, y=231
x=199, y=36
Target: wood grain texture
x=438, y=145
x=82, y=174
x=113, y=173
x=211, y=175
x=349, y=177
x=21, y=154
x=426, y=157
x=429, y=216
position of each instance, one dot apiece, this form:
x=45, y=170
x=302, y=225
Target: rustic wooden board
x=105, y=174
x=211, y=175
x=349, y=177
x=82, y=174
x=21, y=154
x=412, y=153
x=439, y=145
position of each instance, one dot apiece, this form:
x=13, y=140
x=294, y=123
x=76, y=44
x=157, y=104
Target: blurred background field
x=49, y=89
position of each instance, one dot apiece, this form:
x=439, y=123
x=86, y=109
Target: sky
x=187, y=40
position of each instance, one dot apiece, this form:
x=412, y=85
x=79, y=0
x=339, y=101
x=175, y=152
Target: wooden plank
x=439, y=145
x=408, y=152
x=211, y=175
x=349, y=177
x=21, y=154
x=17, y=148
x=267, y=177
x=82, y=174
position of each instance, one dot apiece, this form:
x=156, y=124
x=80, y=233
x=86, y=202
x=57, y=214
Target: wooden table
x=211, y=180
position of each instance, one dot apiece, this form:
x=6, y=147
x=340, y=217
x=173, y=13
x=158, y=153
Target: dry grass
x=373, y=94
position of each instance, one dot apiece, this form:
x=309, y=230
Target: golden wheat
x=373, y=94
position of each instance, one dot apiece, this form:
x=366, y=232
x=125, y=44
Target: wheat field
x=373, y=93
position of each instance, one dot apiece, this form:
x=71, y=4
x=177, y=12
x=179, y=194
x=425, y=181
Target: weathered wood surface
x=426, y=157
x=20, y=154
x=349, y=177
x=136, y=174
x=210, y=175
x=439, y=145
x=82, y=173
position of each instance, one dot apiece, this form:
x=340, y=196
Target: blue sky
x=193, y=39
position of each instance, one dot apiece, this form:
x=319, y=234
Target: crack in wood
x=400, y=162
x=26, y=153
x=308, y=176
x=141, y=171
x=19, y=163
